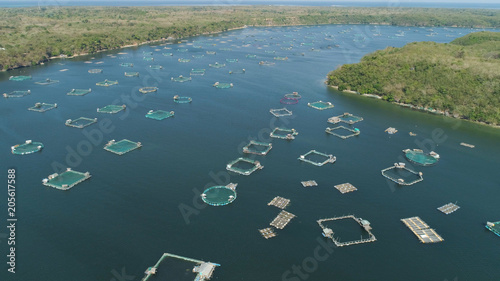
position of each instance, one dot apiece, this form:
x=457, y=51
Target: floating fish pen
x=182, y=50
x=47, y=81
x=294, y=95
x=232, y=60
x=203, y=270
x=42, y=107
x=494, y=227
x=270, y=52
x=286, y=100
x=19, y=78
x=244, y=166
x=281, y=58
x=148, y=58
x=402, y=175
x=181, y=79
x=217, y=65
x=111, y=109
x=66, y=180
x=79, y=92
x=412, y=134
x=424, y=233
x=197, y=71
x=156, y=67
x=282, y=219
x=237, y=71
x=183, y=60
x=26, y=148
x=286, y=48
x=266, y=63
x=343, y=132
x=159, y=114
x=127, y=64
x=225, y=49
x=328, y=232
x=95, y=71
x=145, y=53
x=16, y=94
x=448, y=208
x=106, y=83
x=132, y=74
x=309, y=183
x=219, y=85
x=211, y=52
x=283, y=133
x=122, y=146
x=317, y=158
x=391, y=130
x=467, y=145
x=417, y=156
x=167, y=54
x=347, y=118
x=251, y=56
x=146, y=90
x=219, y=195
x=345, y=188
x=259, y=148
x=267, y=232
x=279, y=202
x=198, y=56
x=81, y=122
x=179, y=99
x=321, y=105
x=280, y=112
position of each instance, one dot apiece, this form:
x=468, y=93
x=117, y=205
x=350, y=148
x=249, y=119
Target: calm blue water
x=128, y=213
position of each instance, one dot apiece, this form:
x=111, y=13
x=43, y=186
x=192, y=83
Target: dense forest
x=460, y=79
x=29, y=36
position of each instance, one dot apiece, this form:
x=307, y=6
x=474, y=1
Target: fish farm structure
x=399, y=171
x=345, y=188
x=238, y=71
x=122, y=146
x=266, y=63
x=494, y=227
x=132, y=74
x=283, y=133
x=81, y=122
x=127, y=64
x=317, y=158
x=182, y=50
x=19, y=78
x=282, y=219
x=198, y=56
x=286, y=100
x=280, y=112
x=343, y=132
x=219, y=195
x=167, y=54
x=219, y=85
x=203, y=270
x=106, y=83
x=347, y=118
x=294, y=95
x=448, y=208
x=197, y=71
x=148, y=58
x=79, y=92
x=211, y=52
x=217, y=65
x=321, y=105
x=281, y=58
x=159, y=114
x=256, y=147
x=267, y=232
x=225, y=49
x=232, y=60
x=66, y=180
x=26, y=148
x=309, y=183
x=42, y=107
x=111, y=109
x=417, y=156
x=244, y=166
x=467, y=145
x=146, y=90
x=279, y=202
x=328, y=232
x=47, y=81
x=95, y=71
x=181, y=79
x=424, y=233
x=17, y=94
x=179, y=99
x=391, y=130
x=251, y=56
x=156, y=67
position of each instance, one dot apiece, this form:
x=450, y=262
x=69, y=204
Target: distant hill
x=460, y=79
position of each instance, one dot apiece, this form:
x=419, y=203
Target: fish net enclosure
x=179, y=99
x=294, y=95
x=95, y=71
x=237, y=71
x=317, y=158
x=184, y=60
x=156, y=67
x=218, y=195
x=281, y=58
x=42, y=107
x=19, y=78
x=181, y=79
x=197, y=71
x=27, y=148
x=148, y=58
x=159, y=114
x=419, y=157
x=225, y=49
x=127, y=64
x=79, y=92
x=250, y=56
x=283, y=133
x=321, y=105
x=266, y=63
x=286, y=100
x=17, y=94
x=343, y=132
x=106, y=83
x=347, y=118
x=220, y=85
x=217, y=65
x=198, y=56
x=232, y=60
x=111, y=109
x=182, y=50
x=132, y=74
x=66, y=180
x=121, y=147
x=211, y=52
x=280, y=112
x=146, y=90
x=402, y=175
x=244, y=166
x=259, y=148
x=47, y=81
x=81, y=122
x=167, y=54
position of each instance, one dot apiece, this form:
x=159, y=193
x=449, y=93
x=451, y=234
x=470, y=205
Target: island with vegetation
x=459, y=79
x=30, y=36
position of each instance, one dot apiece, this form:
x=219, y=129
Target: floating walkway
x=467, y=145
x=267, y=232
x=345, y=188
x=281, y=112
x=448, y=208
x=283, y=133
x=66, y=180
x=147, y=90
x=343, y=132
x=19, y=78
x=159, y=114
x=47, y=81
x=178, y=99
x=397, y=177
x=219, y=85
x=328, y=232
x=106, y=83
x=220, y=195
x=494, y=227
x=17, y=94
x=322, y=158
x=28, y=147
x=417, y=156
x=122, y=146
x=81, y=122
x=259, y=148
x=42, y=107
x=111, y=109
x=252, y=166
x=282, y=219
x=203, y=269
x=279, y=202
x=422, y=230
x=309, y=183
x=321, y=105
x=79, y=92
x=347, y=118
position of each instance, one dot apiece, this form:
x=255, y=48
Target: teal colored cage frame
x=66, y=180
x=121, y=147
x=328, y=158
x=28, y=147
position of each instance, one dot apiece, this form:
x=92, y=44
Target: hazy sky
x=269, y=1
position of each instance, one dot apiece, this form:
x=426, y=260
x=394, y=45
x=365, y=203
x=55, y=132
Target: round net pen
x=28, y=147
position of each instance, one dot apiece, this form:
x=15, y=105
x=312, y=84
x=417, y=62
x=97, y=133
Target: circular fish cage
x=146, y=90
x=293, y=95
x=421, y=158
x=287, y=100
x=218, y=195
x=179, y=99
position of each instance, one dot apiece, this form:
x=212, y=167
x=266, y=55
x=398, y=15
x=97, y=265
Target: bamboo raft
x=424, y=233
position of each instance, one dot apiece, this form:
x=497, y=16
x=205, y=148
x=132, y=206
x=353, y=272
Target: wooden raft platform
x=424, y=233
x=345, y=188
x=448, y=208
x=282, y=219
x=279, y=202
